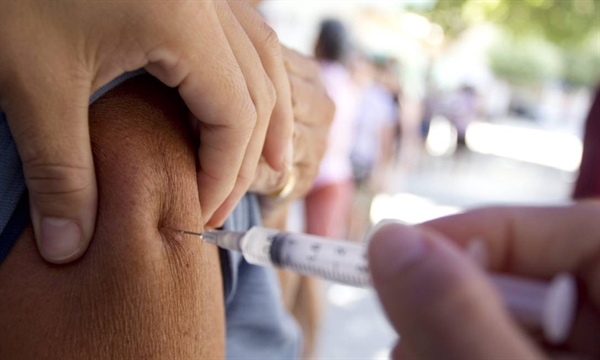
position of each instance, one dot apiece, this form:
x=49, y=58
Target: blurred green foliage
x=557, y=39
x=525, y=61
x=565, y=22
x=532, y=60
x=581, y=66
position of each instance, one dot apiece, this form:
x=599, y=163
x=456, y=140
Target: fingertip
x=427, y=287
x=63, y=224
x=288, y=157
x=215, y=223
x=220, y=215
x=278, y=150
x=61, y=240
x=212, y=192
x=276, y=158
x=369, y=235
x=394, y=247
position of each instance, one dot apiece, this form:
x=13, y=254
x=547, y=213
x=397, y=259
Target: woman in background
x=328, y=204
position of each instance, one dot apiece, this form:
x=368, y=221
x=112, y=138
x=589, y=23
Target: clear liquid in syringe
x=335, y=260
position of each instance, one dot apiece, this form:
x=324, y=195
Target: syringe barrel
x=550, y=306
x=335, y=260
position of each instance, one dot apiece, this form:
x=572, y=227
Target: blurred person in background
x=374, y=135
x=461, y=110
x=430, y=107
x=388, y=75
x=328, y=204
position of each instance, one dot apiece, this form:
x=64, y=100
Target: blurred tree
x=573, y=26
x=532, y=60
x=564, y=22
x=525, y=61
x=581, y=66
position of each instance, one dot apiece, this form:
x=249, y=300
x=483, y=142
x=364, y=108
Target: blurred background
x=442, y=106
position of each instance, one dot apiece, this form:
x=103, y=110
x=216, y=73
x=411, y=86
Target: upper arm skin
x=138, y=292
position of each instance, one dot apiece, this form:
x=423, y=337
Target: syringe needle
x=185, y=232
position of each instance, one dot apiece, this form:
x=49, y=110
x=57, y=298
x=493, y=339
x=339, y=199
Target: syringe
x=550, y=306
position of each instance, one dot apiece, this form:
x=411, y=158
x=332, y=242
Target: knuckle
x=279, y=179
x=270, y=41
x=245, y=177
x=312, y=67
x=312, y=171
x=247, y=112
x=270, y=96
x=303, y=187
x=330, y=109
x=46, y=179
x=320, y=152
x=258, y=179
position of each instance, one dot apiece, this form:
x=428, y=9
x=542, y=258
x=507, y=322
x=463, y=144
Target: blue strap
x=15, y=226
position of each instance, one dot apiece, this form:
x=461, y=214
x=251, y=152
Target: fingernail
x=61, y=238
x=395, y=247
x=288, y=159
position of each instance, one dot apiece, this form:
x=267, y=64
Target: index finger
x=531, y=241
x=212, y=85
x=279, y=133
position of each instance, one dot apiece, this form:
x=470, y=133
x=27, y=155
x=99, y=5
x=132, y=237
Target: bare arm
x=138, y=292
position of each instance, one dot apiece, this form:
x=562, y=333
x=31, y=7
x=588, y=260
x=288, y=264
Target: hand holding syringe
x=549, y=306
